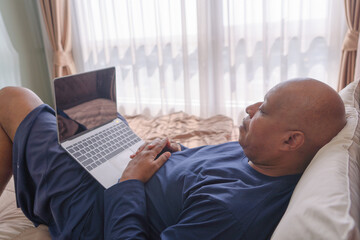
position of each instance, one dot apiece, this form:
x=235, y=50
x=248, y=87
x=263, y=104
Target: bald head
x=283, y=133
x=312, y=107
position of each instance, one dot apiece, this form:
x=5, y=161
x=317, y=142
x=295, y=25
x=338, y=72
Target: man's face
x=261, y=131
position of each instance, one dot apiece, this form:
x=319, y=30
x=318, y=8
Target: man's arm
x=126, y=213
x=125, y=203
x=201, y=218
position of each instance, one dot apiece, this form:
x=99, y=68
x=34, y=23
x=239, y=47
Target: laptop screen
x=84, y=101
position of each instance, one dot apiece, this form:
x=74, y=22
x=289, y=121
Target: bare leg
x=15, y=104
x=5, y=161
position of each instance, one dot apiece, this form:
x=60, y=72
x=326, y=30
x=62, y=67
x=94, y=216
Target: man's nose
x=252, y=109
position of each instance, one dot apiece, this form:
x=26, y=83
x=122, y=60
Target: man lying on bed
x=211, y=192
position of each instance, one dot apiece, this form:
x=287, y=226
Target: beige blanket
x=189, y=130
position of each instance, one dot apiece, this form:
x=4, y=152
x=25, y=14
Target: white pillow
x=326, y=201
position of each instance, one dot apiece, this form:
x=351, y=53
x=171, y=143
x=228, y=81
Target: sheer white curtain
x=9, y=60
x=206, y=57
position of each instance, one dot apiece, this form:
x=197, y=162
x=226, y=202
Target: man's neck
x=273, y=171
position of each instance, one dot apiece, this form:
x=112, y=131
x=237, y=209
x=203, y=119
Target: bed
x=324, y=205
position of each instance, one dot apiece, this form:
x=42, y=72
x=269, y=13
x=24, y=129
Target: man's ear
x=292, y=140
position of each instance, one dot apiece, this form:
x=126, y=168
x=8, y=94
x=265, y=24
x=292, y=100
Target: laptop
x=89, y=127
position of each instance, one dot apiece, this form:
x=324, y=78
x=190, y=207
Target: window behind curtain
x=9, y=62
x=206, y=57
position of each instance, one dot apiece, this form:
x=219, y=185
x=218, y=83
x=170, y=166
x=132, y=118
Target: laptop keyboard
x=97, y=149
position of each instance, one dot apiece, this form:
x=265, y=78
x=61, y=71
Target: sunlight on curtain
x=206, y=57
x=9, y=60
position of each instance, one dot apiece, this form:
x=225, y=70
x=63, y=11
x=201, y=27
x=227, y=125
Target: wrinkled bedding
x=188, y=130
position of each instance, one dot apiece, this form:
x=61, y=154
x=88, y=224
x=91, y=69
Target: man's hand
x=143, y=164
x=171, y=146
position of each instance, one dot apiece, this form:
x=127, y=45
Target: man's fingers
x=139, y=150
x=175, y=147
x=162, y=159
x=157, y=146
x=154, y=143
x=147, y=145
x=160, y=145
x=142, y=147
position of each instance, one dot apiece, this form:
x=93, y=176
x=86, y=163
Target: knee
x=11, y=91
x=17, y=99
x=17, y=95
x=15, y=104
x=8, y=93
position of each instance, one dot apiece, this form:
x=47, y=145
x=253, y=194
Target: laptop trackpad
x=121, y=160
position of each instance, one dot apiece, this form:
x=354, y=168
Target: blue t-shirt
x=209, y=192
